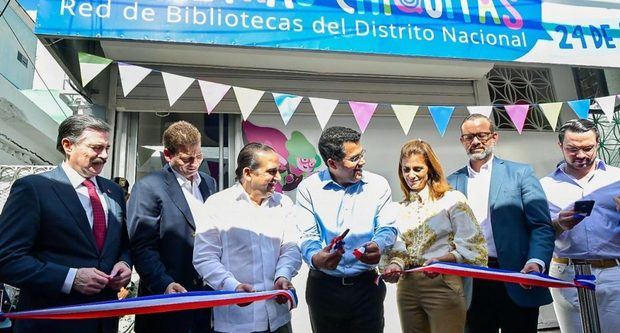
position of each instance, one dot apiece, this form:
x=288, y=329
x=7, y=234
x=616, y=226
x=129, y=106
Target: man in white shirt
x=510, y=206
x=584, y=237
x=246, y=242
x=63, y=238
x=162, y=222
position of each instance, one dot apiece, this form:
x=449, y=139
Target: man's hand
x=325, y=259
x=174, y=288
x=528, y=268
x=617, y=200
x=120, y=276
x=89, y=281
x=282, y=283
x=392, y=273
x=246, y=288
x=372, y=254
x=567, y=220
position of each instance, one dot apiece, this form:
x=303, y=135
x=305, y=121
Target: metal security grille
x=10, y=173
x=514, y=85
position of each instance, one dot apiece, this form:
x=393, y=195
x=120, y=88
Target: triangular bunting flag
x=175, y=85
x=581, y=107
x=131, y=76
x=441, y=116
x=287, y=104
x=91, y=65
x=517, y=114
x=405, y=115
x=551, y=112
x=483, y=110
x=607, y=104
x=323, y=109
x=247, y=100
x=362, y=112
x=212, y=93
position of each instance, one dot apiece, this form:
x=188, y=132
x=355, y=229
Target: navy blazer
x=161, y=232
x=520, y=220
x=44, y=231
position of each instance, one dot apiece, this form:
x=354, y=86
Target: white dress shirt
x=191, y=192
x=478, y=187
x=82, y=192
x=240, y=242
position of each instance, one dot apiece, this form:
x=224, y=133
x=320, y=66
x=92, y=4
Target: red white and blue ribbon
x=153, y=304
x=486, y=273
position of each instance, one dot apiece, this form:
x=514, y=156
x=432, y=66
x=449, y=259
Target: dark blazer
x=161, y=229
x=521, y=223
x=44, y=231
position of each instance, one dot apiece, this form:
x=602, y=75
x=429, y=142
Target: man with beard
x=583, y=238
x=63, y=238
x=511, y=207
x=342, y=292
x=245, y=243
x=162, y=219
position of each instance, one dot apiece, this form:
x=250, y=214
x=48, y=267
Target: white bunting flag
x=212, y=93
x=405, y=115
x=551, y=112
x=484, y=110
x=323, y=109
x=175, y=85
x=247, y=100
x=131, y=76
x=91, y=65
x=607, y=104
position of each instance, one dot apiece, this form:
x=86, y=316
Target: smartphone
x=584, y=207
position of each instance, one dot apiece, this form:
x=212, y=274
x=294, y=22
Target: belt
x=369, y=275
x=595, y=263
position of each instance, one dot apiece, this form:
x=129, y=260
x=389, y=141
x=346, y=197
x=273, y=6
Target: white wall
x=383, y=140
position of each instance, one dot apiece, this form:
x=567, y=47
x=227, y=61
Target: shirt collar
x=184, y=181
x=242, y=195
x=485, y=168
x=75, y=178
x=422, y=196
x=599, y=165
x=326, y=179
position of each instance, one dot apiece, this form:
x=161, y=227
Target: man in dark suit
x=63, y=238
x=511, y=207
x=162, y=221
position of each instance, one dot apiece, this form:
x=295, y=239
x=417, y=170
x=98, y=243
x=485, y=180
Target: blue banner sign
x=498, y=30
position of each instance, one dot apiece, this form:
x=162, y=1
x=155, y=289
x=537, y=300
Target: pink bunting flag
x=362, y=112
x=517, y=114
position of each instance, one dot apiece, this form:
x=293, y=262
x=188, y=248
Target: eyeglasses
x=482, y=136
x=189, y=159
x=575, y=150
x=357, y=158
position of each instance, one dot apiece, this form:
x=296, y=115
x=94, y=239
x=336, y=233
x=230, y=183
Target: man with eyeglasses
x=343, y=293
x=162, y=218
x=510, y=205
x=584, y=237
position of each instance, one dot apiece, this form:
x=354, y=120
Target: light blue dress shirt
x=598, y=235
x=325, y=209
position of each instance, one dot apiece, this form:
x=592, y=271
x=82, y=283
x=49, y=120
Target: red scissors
x=338, y=242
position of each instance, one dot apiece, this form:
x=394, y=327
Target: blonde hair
x=437, y=183
x=180, y=133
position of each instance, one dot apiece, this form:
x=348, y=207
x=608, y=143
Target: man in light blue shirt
x=344, y=294
x=583, y=238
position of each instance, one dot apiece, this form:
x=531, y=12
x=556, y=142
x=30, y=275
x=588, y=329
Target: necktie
x=99, y=227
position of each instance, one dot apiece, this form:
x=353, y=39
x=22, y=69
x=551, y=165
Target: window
x=22, y=58
x=513, y=85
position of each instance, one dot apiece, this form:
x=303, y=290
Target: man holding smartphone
x=581, y=193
